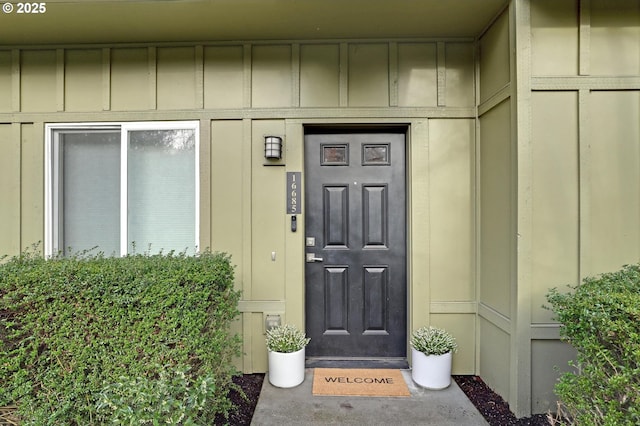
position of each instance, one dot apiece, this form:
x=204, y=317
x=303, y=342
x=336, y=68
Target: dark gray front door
x=355, y=245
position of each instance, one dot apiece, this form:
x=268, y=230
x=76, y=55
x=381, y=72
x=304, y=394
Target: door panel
x=336, y=288
x=375, y=295
x=356, y=278
x=336, y=216
x=375, y=218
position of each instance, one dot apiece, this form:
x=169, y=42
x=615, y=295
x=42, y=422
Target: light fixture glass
x=273, y=147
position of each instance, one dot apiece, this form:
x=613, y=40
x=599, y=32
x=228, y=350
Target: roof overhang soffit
x=157, y=21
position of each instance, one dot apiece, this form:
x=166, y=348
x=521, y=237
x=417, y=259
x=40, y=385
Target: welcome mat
x=359, y=382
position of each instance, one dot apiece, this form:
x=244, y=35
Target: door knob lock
x=312, y=258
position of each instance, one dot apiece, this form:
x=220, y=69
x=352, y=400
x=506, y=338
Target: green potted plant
x=286, y=346
x=431, y=355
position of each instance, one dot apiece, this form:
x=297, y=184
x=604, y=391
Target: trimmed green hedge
x=84, y=338
x=601, y=320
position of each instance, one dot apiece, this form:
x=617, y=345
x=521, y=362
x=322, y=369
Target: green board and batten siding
x=241, y=92
x=559, y=177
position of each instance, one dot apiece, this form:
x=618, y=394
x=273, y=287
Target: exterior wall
x=452, y=226
x=497, y=208
x=241, y=92
x=585, y=166
x=559, y=170
x=21, y=160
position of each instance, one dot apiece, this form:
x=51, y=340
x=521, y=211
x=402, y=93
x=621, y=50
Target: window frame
x=53, y=168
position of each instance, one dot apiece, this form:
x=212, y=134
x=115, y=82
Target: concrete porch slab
x=298, y=406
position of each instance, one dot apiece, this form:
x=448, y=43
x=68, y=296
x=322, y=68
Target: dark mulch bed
x=251, y=385
x=494, y=409
x=491, y=405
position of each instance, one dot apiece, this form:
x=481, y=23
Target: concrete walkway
x=298, y=406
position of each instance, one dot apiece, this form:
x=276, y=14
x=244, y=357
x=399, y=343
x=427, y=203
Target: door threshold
x=329, y=362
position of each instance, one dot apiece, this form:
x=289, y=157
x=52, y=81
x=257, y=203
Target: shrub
x=173, y=398
x=433, y=341
x=73, y=328
x=286, y=338
x=601, y=320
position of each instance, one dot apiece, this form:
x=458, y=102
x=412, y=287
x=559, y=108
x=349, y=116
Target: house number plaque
x=293, y=193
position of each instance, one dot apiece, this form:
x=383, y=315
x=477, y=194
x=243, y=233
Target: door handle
x=312, y=258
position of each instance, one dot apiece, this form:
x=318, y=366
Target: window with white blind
x=120, y=187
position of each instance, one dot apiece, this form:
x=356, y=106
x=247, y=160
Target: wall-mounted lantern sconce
x=273, y=147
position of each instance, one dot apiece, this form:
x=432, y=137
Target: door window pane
x=375, y=154
x=335, y=155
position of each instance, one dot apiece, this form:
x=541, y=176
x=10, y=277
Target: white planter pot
x=431, y=371
x=286, y=370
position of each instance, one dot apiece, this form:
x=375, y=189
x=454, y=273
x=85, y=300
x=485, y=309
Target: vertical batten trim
x=106, y=79
x=584, y=179
x=294, y=278
x=199, y=76
x=246, y=208
x=205, y=236
x=442, y=73
x=246, y=86
x=477, y=199
x=584, y=42
x=522, y=169
x=393, y=74
x=16, y=134
x=153, y=77
x=419, y=253
x=59, y=79
x=344, y=74
x=15, y=80
x=32, y=184
x=295, y=75
x=247, y=342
